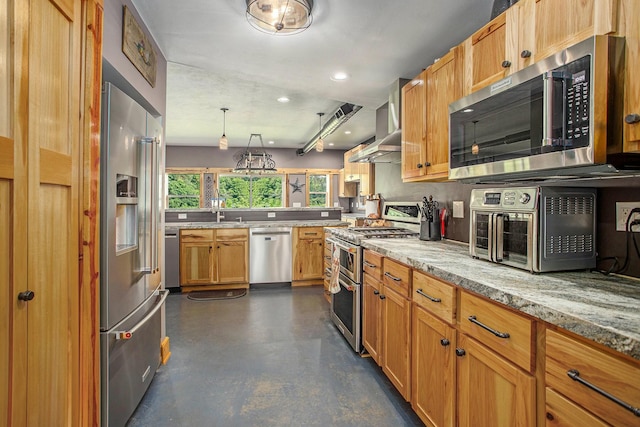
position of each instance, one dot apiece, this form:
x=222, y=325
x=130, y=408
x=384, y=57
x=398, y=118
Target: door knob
x=26, y=295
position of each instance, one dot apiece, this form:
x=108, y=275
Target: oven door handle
x=491, y=238
x=345, y=246
x=498, y=255
x=351, y=287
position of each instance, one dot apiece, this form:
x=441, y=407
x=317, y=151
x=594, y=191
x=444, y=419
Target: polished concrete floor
x=271, y=358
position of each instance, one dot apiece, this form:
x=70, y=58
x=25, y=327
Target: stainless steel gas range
x=346, y=305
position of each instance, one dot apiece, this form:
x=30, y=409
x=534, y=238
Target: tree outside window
x=183, y=190
x=251, y=191
x=318, y=190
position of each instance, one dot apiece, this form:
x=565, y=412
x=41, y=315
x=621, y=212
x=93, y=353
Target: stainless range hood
x=386, y=148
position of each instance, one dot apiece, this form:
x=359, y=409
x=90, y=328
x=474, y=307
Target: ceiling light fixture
x=283, y=99
x=280, y=17
x=320, y=143
x=223, y=143
x=339, y=76
x=255, y=160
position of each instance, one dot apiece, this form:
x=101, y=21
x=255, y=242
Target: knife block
x=430, y=230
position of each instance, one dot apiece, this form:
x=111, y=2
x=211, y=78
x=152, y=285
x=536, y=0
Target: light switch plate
x=182, y=216
x=271, y=214
x=324, y=214
x=458, y=209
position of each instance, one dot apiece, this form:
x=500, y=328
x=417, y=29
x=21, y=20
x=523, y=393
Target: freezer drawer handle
x=473, y=319
x=126, y=335
x=574, y=374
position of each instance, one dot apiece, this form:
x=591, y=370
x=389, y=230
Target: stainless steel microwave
x=548, y=118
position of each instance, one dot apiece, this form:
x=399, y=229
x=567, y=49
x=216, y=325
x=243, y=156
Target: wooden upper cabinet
x=486, y=55
x=628, y=14
x=444, y=85
x=563, y=23
x=414, y=127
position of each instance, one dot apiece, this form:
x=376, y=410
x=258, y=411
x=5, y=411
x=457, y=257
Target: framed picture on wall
x=137, y=47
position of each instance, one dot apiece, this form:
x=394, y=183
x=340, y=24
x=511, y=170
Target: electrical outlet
x=623, y=210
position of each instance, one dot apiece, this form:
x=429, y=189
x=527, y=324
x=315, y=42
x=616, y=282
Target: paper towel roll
x=372, y=207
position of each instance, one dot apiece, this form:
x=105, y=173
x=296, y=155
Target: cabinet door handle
x=632, y=118
x=394, y=278
x=460, y=352
x=376, y=292
x=506, y=64
x=525, y=54
x=427, y=164
x=444, y=342
x=368, y=264
x=429, y=297
x=499, y=334
x=26, y=295
x=574, y=374
x=419, y=165
x=382, y=297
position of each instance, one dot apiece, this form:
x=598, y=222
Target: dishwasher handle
x=272, y=233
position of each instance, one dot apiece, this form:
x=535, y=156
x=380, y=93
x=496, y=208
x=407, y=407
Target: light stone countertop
x=605, y=309
x=172, y=226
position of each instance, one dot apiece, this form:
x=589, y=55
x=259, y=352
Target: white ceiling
x=216, y=59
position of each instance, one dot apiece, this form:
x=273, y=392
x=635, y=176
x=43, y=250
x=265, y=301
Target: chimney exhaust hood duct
x=342, y=114
x=386, y=148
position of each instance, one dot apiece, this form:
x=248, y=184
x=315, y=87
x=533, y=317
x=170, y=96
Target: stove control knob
x=524, y=198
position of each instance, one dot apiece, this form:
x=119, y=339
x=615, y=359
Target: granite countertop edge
x=255, y=224
x=601, y=308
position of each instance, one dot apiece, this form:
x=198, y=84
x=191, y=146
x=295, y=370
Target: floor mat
x=216, y=295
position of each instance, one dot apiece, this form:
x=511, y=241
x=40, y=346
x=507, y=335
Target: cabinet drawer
x=372, y=264
x=616, y=376
x=232, y=234
x=499, y=328
x=434, y=295
x=561, y=412
x=196, y=235
x=396, y=276
x=310, y=232
x=327, y=251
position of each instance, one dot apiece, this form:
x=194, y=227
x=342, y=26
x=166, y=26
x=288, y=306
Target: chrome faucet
x=215, y=205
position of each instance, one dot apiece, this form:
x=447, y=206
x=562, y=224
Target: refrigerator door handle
x=151, y=167
x=125, y=335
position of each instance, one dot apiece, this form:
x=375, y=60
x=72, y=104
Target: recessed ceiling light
x=331, y=144
x=272, y=142
x=347, y=132
x=467, y=110
x=283, y=99
x=339, y=76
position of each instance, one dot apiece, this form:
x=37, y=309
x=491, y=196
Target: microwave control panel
x=577, y=102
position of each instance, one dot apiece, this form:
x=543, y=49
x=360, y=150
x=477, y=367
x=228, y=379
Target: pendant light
x=280, y=17
x=320, y=143
x=223, y=143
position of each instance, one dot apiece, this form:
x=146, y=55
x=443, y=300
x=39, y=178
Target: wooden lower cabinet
x=396, y=340
x=561, y=412
x=372, y=317
x=491, y=390
x=433, y=371
x=214, y=257
x=308, y=255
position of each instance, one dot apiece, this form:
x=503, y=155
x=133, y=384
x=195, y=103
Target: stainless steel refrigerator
x=130, y=323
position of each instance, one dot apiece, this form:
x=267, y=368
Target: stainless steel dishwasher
x=270, y=255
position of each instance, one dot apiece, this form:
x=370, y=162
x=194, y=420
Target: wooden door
x=414, y=131
x=492, y=391
x=444, y=85
x=371, y=318
x=396, y=340
x=433, y=372
x=629, y=12
x=196, y=263
x=232, y=262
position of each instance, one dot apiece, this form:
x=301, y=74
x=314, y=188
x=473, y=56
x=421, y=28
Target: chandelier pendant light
x=255, y=160
x=280, y=17
x=223, y=143
x=320, y=143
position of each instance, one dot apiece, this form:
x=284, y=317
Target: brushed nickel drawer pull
x=574, y=374
x=499, y=334
x=429, y=297
x=368, y=264
x=394, y=278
